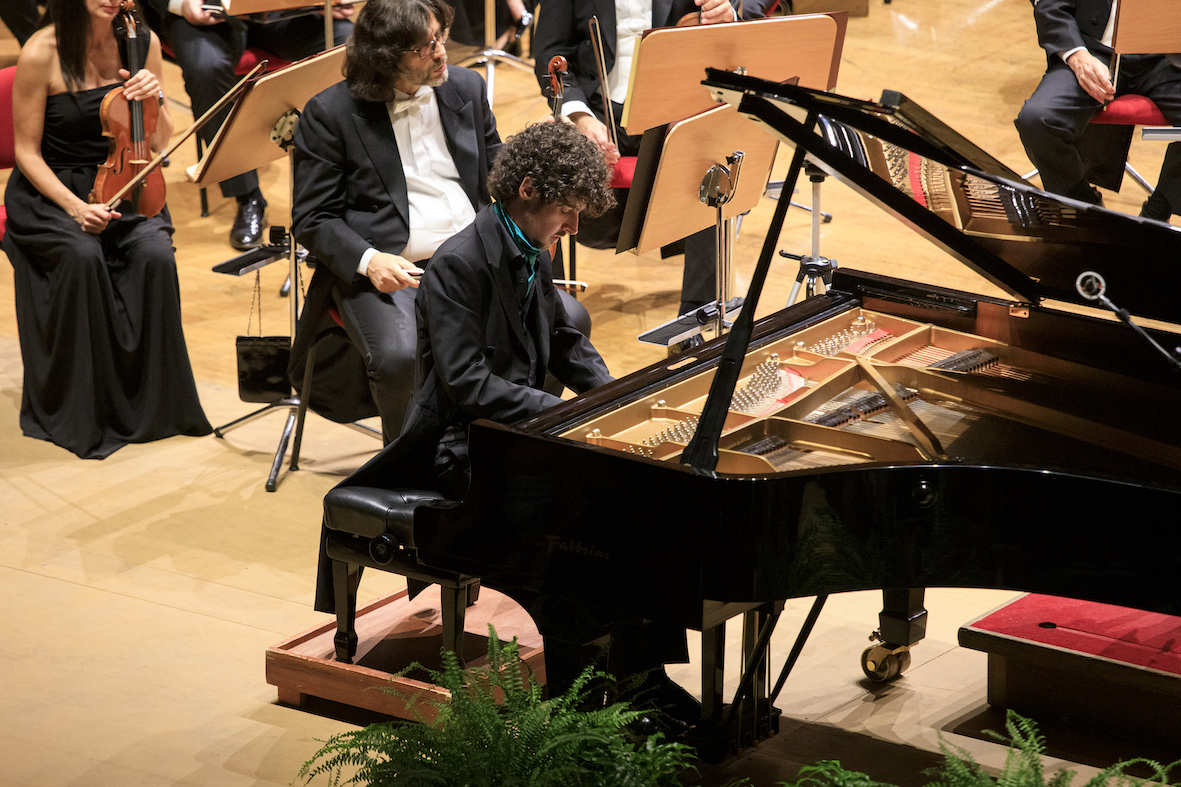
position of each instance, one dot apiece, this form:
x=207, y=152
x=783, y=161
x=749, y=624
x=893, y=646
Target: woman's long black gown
x=105, y=362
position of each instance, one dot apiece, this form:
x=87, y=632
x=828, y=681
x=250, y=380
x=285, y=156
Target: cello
x=128, y=172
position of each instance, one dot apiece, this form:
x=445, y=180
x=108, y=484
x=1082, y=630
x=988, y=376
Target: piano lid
x=1031, y=243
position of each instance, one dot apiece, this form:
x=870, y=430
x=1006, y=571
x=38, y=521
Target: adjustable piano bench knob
x=383, y=549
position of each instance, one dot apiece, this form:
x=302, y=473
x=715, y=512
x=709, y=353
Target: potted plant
x=497, y=729
x=1023, y=767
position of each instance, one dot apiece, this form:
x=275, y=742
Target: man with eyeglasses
x=388, y=165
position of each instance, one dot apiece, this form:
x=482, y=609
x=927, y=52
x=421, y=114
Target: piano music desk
x=393, y=632
x=1097, y=665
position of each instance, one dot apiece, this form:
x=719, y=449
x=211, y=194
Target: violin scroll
x=557, y=70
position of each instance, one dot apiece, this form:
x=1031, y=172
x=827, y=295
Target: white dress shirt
x=632, y=17
x=439, y=207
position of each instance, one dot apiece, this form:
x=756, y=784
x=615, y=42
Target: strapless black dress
x=105, y=362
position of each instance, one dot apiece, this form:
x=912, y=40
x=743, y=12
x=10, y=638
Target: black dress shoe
x=1156, y=207
x=247, y=230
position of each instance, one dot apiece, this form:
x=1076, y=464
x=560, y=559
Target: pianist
x=490, y=324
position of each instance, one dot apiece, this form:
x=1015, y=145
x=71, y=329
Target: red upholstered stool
x=1131, y=110
x=7, y=135
x=1052, y=657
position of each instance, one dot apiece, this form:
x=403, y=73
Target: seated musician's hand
x=715, y=11
x=390, y=273
x=94, y=217
x=596, y=131
x=193, y=13
x=142, y=86
x=1092, y=75
x=342, y=12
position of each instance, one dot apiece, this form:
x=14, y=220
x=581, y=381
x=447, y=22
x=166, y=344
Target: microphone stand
x=1092, y=286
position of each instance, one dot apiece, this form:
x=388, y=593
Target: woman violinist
x=97, y=297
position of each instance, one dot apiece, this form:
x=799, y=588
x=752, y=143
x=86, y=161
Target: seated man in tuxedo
x=207, y=45
x=1077, y=35
x=389, y=163
x=490, y=324
x=562, y=29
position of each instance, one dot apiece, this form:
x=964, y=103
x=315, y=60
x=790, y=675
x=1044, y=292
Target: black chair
x=374, y=527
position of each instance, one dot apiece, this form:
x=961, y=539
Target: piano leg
x=901, y=623
x=346, y=578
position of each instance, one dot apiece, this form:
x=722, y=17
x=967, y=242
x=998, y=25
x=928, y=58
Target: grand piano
x=883, y=435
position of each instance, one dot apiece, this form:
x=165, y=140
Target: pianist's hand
x=714, y=11
x=596, y=131
x=389, y=272
x=1092, y=75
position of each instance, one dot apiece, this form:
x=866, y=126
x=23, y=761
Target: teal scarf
x=526, y=248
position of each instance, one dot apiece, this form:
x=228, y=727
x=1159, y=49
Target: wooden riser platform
x=393, y=633
x=1079, y=662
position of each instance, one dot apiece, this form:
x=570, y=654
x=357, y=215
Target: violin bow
x=201, y=121
x=601, y=66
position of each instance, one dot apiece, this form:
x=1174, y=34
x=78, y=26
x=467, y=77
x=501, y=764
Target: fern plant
x=1023, y=767
x=497, y=730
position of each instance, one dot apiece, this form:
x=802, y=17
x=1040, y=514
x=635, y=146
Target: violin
x=130, y=125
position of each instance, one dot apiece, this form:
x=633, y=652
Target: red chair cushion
x=7, y=135
x=625, y=170
x=1131, y=110
x=252, y=57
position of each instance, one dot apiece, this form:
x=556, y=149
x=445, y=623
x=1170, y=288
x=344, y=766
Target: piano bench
x=368, y=526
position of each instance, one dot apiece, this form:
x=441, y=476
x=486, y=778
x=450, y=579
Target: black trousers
x=1052, y=120
x=208, y=54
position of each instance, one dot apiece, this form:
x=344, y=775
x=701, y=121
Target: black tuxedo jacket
x=350, y=190
x=1063, y=25
x=562, y=29
x=477, y=357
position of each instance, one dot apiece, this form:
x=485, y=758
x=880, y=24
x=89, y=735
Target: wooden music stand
x=1146, y=27
x=259, y=129
x=666, y=199
x=669, y=63
x=664, y=205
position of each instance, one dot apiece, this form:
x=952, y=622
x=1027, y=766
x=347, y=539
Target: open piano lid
x=1031, y=243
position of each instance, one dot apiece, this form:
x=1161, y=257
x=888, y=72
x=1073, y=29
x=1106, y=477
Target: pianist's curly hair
x=564, y=166
x=384, y=31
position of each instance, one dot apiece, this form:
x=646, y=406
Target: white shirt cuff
x=575, y=107
x=175, y=6
x=363, y=265
x=1070, y=52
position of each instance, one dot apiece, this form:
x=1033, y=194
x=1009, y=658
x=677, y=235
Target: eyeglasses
x=428, y=49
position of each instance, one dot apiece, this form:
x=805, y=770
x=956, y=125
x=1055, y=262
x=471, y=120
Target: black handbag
x=262, y=360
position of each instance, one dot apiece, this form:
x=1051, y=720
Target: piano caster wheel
x=881, y=663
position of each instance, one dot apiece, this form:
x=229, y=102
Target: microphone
x=1090, y=285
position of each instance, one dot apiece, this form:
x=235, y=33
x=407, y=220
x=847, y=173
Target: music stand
x=669, y=63
x=665, y=86
x=1149, y=26
x=259, y=129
